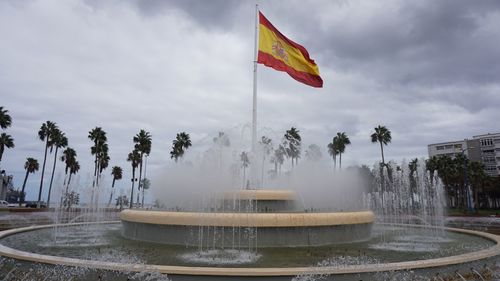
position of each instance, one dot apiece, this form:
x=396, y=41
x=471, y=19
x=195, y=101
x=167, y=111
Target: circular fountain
x=249, y=217
x=265, y=234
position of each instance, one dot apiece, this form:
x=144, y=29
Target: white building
x=481, y=148
x=452, y=148
x=489, y=145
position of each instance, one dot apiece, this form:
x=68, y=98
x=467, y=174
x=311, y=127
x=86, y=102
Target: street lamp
x=470, y=207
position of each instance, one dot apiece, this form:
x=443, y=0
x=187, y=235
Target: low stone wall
x=247, y=230
x=246, y=237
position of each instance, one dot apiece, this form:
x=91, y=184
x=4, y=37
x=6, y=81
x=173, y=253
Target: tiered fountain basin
x=272, y=229
x=249, y=219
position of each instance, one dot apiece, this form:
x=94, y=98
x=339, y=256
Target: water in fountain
x=67, y=211
x=402, y=196
x=225, y=244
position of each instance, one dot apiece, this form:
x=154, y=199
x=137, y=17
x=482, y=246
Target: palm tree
x=6, y=141
x=179, y=146
x=146, y=184
x=73, y=166
x=58, y=140
x=333, y=150
x=381, y=135
x=73, y=169
x=313, y=153
x=143, y=145
x=342, y=141
x=245, y=162
x=46, y=133
x=267, y=146
x=68, y=156
x=461, y=163
x=412, y=166
x=477, y=177
x=221, y=140
x=134, y=158
x=103, y=161
x=278, y=158
x=98, y=136
x=100, y=152
x=5, y=119
x=432, y=165
x=117, y=173
x=293, y=141
x=30, y=166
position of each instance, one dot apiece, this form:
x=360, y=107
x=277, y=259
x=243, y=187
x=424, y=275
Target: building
x=489, y=146
x=452, y=148
x=481, y=148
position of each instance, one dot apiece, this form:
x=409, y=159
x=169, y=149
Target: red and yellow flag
x=282, y=54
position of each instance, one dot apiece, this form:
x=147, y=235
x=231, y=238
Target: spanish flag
x=282, y=54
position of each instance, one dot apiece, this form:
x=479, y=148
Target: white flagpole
x=254, y=111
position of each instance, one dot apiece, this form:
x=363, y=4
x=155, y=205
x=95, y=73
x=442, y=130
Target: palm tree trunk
x=98, y=175
x=132, y=191
x=476, y=199
x=2, y=148
x=340, y=161
x=382, y=150
x=145, y=166
x=94, y=181
x=52, y=177
x=63, y=197
x=335, y=162
x=244, y=177
x=43, y=169
x=142, y=198
x=111, y=195
x=140, y=176
x=95, y=164
x=21, y=199
x=262, y=175
x=65, y=177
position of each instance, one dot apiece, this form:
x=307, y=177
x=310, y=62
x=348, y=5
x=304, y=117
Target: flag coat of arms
x=282, y=54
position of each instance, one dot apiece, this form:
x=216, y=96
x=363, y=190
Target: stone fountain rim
x=248, y=219
x=255, y=271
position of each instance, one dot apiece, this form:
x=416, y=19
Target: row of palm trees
x=55, y=139
x=450, y=170
x=338, y=145
x=291, y=147
x=142, y=148
x=458, y=173
x=6, y=140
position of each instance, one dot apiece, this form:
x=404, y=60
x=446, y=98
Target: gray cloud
x=427, y=69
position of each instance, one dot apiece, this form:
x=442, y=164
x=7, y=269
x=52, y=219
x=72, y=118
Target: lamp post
x=470, y=207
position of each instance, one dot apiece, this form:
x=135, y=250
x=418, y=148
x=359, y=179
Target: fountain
x=395, y=231
x=255, y=218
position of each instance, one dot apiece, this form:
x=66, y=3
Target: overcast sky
x=428, y=70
